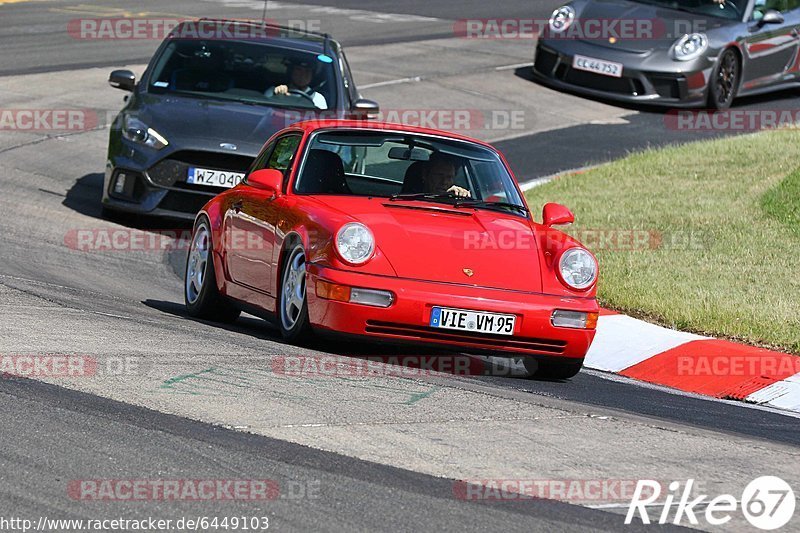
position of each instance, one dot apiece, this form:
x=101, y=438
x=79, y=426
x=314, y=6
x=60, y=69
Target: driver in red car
x=439, y=175
x=300, y=75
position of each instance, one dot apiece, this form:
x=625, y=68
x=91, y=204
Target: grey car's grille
x=183, y=202
x=668, y=86
x=599, y=82
x=545, y=61
x=173, y=170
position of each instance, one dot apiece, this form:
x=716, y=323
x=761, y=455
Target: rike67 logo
x=767, y=503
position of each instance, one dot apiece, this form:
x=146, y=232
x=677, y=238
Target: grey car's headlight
x=561, y=18
x=137, y=131
x=690, y=46
x=578, y=268
x=355, y=243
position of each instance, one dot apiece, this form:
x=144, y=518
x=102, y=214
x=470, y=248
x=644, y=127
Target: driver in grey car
x=301, y=72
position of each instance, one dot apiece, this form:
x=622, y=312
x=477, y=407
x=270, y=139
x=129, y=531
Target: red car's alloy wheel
x=293, y=307
x=202, y=296
x=196, y=263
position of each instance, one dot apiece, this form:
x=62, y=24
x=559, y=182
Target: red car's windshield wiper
x=491, y=205
x=423, y=196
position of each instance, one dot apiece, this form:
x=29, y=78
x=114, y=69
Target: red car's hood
x=430, y=241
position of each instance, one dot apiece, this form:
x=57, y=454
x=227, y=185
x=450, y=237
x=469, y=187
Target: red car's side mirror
x=556, y=215
x=268, y=179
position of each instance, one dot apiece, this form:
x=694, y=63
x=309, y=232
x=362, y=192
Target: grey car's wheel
x=201, y=294
x=293, y=304
x=724, y=81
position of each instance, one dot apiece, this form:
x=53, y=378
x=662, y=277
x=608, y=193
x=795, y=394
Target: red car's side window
x=283, y=155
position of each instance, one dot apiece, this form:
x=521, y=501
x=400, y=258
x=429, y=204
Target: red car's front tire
x=292, y=302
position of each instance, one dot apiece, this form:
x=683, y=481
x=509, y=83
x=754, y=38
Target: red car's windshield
x=405, y=166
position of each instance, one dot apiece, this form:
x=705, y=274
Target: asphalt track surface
x=56, y=300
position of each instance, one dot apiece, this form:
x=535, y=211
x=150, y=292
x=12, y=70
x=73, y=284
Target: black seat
x=413, y=183
x=323, y=174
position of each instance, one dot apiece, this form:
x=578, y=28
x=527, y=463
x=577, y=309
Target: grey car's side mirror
x=122, y=79
x=364, y=108
x=771, y=16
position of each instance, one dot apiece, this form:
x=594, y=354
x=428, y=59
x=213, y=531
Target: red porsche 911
x=399, y=234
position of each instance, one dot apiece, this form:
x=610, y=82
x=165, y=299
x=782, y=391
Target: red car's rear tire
x=201, y=294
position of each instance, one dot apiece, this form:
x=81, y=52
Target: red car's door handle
x=237, y=206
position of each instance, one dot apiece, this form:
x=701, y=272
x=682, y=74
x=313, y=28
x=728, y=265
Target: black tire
x=544, y=369
x=107, y=214
x=117, y=217
x=206, y=302
x=724, y=81
x=293, y=318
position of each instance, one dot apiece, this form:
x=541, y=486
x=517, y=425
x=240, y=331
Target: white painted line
x=530, y=184
x=622, y=342
x=412, y=79
x=535, y=182
x=783, y=394
x=515, y=66
x=360, y=15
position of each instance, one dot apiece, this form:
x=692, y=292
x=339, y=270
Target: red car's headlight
x=355, y=243
x=577, y=269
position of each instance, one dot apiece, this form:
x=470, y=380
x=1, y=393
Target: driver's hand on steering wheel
x=461, y=192
x=282, y=89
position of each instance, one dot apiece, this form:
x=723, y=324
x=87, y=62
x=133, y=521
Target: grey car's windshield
x=408, y=167
x=245, y=71
x=727, y=9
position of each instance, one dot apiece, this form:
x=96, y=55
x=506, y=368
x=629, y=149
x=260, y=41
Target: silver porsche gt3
x=687, y=53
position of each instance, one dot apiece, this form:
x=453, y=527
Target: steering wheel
x=298, y=92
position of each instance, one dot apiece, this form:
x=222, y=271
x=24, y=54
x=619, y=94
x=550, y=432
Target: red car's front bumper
x=407, y=319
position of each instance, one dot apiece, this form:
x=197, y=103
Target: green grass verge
x=728, y=216
x=783, y=202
